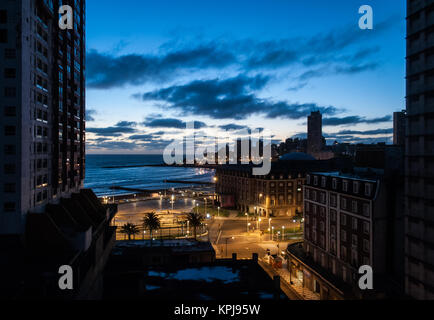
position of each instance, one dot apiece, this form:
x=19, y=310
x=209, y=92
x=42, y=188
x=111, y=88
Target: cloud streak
x=232, y=98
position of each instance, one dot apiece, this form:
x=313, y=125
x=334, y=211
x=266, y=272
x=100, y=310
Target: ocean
x=100, y=177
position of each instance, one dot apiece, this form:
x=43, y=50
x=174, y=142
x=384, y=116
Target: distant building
x=351, y=220
x=399, y=126
x=419, y=248
x=277, y=194
x=314, y=133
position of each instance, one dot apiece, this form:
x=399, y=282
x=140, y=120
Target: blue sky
x=154, y=65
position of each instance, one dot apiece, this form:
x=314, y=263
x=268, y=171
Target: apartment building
x=42, y=99
x=419, y=247
x=350, y=221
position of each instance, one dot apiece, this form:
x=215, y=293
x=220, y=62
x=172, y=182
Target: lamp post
x=248, y=227
x=218, y=212
x=295, y=226
x=227, y=239
x=269, y=225
x=173, y=201
x=247, y=221
x=283, y=233
x=197, y=208
x=272, y=233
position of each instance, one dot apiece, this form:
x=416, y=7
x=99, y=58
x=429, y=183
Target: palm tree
x=196, y=220
x=130, y=230
x=151, y=222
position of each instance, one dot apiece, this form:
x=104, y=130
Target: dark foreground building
x=46, y=219
x=353, y=219
x=419, y=247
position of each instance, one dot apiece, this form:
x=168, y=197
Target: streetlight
x=269, y=224
x=295, y=226
x=227, y=239
x=247, y=221
x=272, y=233
x=197, y=208
x=283, y=232
x=248, y=227
x=259, y=224
x=173, y=201
x=218, y=214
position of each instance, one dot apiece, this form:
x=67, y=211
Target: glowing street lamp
x=247, y=221
x=218, y=212
x=283, y=232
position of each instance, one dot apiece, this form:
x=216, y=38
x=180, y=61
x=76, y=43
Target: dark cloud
x=358, y=140
x=126, y=124
x=352, y=120
x=90, y=113
x=233, y=127
x=231, y=98
x=152, y=122
x=105, y=70
x=365, y=133
x=116, y=131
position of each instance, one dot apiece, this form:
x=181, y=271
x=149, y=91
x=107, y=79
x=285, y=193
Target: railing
x=164, y=233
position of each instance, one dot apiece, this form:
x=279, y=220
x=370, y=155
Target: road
x=233, y=232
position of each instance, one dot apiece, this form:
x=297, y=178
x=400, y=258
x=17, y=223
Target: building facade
x=42, y=102
x=277, y=194
x=314, y=133
x=349, y=223
x=399, y=124
x=47, y=219
x=419, y=247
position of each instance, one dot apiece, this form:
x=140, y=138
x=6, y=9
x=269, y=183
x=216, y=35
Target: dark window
x=10, y=92
x=10, y=168
x=10, y=73
x=3, y=35
x=10, y=130
x=10, y=188
x=10, y=111
x=3, y=16
x=10, y=149
x=10, y=53
x=9, y=207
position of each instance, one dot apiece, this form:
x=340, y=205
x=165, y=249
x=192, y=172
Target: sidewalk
x=297, y=286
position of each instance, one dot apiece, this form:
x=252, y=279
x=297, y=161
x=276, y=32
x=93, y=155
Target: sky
x=153, y=66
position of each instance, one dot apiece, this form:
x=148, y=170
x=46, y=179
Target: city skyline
x=215, y=64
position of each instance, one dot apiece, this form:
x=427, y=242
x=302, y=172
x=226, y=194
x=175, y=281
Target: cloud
x=231, y=98
x=352, y=120
x=365, y=133
x=233, y=127
x=126, y=124
x=108, y=70
x=116, y=145
x=115, y=131
x=90, y=113
x=152, y=122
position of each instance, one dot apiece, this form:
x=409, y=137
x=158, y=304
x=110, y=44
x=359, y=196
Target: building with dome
x=280, y=193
